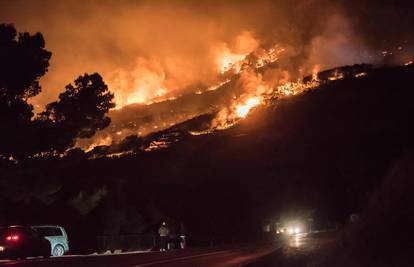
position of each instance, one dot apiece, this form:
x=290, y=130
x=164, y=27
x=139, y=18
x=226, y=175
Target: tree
x=80, y=111
x=23, y=60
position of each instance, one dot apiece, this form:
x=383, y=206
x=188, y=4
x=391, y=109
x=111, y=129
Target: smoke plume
x=151, y=49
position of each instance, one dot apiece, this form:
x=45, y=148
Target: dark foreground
x=282, y=251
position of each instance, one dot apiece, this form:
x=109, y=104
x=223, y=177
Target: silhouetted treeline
x=79, y=112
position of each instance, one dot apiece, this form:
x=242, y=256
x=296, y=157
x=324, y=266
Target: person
x=163, y=231
x=182, y=237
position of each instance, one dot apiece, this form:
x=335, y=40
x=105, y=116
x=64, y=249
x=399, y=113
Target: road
x=243, y=256
x=228, y=257
x=298, y=251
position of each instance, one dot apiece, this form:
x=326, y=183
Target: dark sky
x=143, y=48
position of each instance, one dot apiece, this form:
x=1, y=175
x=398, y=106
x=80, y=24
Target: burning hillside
x=256, y=78
x=237, y=108
x=170, y=61
x=164, y=111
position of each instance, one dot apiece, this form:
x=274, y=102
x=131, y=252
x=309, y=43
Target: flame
x=157, y=144
x=103, y=141
x=142, y=83
x=230, y=61
x=337, y=75
x=260, y=94
x=233, y=59
x=269, y=56
x=315, y=72
x=220, y=84
x=243, y=109
x=361, y=74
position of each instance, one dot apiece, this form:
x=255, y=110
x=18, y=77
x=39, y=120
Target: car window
x=29, y=232
x=48, y=231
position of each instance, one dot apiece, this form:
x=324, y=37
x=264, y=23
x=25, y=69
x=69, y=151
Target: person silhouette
x=163, y=232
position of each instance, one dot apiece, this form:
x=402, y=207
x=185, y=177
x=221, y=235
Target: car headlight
x=290, y=231
x=297, y=230
x=1, y=248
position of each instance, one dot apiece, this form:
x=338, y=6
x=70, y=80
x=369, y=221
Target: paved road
x=298, y=251
x=257, y=255
x=182, y=258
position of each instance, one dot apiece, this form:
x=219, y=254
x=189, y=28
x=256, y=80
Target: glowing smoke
x=149, y=50
x=182, y=43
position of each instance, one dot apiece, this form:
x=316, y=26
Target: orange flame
x=315, y=72
x=243, y=109
x=229, y=61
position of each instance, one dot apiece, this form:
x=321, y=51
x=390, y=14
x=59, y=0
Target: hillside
x=323, y=151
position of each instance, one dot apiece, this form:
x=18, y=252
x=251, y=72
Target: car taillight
x=12, y=237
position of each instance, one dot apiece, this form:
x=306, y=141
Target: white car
x=57, y=237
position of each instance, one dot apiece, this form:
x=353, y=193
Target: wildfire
x=336, y=76
x=229, y=61
x=315, y=72
x=254, y=86
x=361, y=74
x=231, y=57
x=103, y=141
x=215, y=87
x=157, y=144
x=243, y=109
x=142, y=83
x=269, y=56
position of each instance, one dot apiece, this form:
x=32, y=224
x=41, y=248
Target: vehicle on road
x=56, y=235
x=20, y=242
x=290, y=227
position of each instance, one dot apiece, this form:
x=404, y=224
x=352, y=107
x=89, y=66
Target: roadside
x=236, y=256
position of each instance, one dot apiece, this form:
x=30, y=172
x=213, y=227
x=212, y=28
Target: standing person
x=163, y=231
x=182, y=236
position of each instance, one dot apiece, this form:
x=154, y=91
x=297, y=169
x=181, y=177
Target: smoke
x=338, y=45
x=151, y=49
x=144, y=80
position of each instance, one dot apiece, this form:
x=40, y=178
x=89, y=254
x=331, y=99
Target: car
x=20, y=242
x=57, y=237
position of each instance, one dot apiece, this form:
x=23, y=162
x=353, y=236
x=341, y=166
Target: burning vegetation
x=248, y=81
x=166, y=72
x=237, y=109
